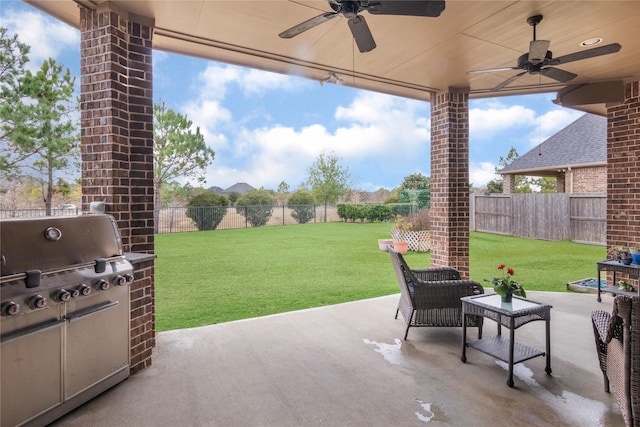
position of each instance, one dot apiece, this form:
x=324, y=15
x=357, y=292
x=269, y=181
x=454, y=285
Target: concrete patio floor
x=346, y=365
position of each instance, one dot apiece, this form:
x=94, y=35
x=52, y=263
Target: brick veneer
x=116, y=96
x=450, y=179
x=508, y=183
x=589, y=180
x=623, y=170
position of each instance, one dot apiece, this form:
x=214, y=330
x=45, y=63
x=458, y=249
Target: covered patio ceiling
x=414, y=57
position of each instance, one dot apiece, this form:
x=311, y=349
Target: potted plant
x=635, y=255
x=505, y=286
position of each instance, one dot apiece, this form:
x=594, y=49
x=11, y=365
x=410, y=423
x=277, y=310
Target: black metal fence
x=36, y=212
x=177, y=220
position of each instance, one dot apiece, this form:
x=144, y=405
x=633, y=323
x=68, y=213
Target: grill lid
x=50, y=243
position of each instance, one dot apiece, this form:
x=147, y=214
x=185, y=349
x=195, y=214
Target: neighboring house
x=576, y=156
x=239, y=187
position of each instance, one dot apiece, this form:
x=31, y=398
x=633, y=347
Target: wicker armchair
x=431, y=297
x=617, y=336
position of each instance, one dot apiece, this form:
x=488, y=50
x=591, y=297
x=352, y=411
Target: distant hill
x=239, y=187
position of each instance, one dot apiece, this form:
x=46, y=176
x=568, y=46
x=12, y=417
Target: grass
x=222, y=275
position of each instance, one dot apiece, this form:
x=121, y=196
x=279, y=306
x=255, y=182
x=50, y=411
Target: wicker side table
x=510, y=315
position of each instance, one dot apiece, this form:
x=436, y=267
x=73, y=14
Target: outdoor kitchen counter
x=138, y=258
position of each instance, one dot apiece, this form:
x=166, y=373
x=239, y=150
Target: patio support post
x=450, y=180
x=623, y=170
x=116, y=104
x=508, y=183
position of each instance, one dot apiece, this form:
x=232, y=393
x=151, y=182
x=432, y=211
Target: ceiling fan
x=539, y=60
x=350, y=9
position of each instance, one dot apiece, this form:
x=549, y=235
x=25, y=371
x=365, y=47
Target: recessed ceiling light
x=591, y=42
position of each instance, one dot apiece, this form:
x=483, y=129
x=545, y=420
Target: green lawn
x=217, y=276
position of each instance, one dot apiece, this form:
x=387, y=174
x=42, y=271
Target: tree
x=302, y=205
x=207, y=210
x=36, y=129
x=522, y=183
x=495, y=186
x=283, y=189
x=256, y=206
x=178, y=151
x=416, y=181
x=328, y=179
x=16, y=111
x=55, y=140
x=234, y=196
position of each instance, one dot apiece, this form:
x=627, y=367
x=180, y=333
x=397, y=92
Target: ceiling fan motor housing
x=524, y=64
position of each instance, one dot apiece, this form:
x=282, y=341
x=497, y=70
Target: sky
x=266, y=128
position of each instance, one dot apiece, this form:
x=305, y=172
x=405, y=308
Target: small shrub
x=207, y=210
x=256, y=206
x=420, y=220
x=302, y=205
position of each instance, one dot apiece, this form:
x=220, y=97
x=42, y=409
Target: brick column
x=116, y=96
x=623, y=170
x=561, y=182
x=508, y=183
x=450, y=180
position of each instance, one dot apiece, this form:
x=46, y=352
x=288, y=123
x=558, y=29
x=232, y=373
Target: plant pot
x=507, y=298
x=383, y=243
x=635, y=258
x=401, y=247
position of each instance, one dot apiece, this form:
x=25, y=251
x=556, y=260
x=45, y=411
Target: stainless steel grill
x=64, y=324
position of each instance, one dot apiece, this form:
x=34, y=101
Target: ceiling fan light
x=591, y=42
x=538, y=51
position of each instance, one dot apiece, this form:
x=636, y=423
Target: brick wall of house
x=116, y=96
x=623, y=170
x=450, y=180
x=589, y=180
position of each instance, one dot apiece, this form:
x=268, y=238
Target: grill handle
x=78, y=315
x=31, y=330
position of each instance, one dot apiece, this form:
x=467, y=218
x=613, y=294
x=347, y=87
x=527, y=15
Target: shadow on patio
x=346, y=365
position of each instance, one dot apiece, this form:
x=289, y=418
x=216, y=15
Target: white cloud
x=551, y=122
x=36, y=29
x=481, y=173
x=486, y=122
x=257, y=81
x=380, y=133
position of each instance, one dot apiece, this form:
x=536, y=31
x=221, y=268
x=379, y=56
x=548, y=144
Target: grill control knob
x=84, y=290
x=62, y=295
x=102, y=285
x=75, y=293
x=120, y=280
x=10, y=308
x=129, y=277
x=37, y=301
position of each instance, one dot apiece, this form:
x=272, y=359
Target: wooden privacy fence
x=580, y=218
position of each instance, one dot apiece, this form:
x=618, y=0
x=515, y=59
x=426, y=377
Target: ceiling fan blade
x=362, y=34
x=411, y=7
x=558, y=74
x=509, y=80
x=586, y=54
x=307, y=25
x=538, y=50
x=492, y=70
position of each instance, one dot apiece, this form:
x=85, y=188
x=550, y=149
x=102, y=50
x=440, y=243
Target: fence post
x=283, y=214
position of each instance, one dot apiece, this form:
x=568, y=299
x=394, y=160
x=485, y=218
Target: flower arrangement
x=505, y=286
x=623, y=285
